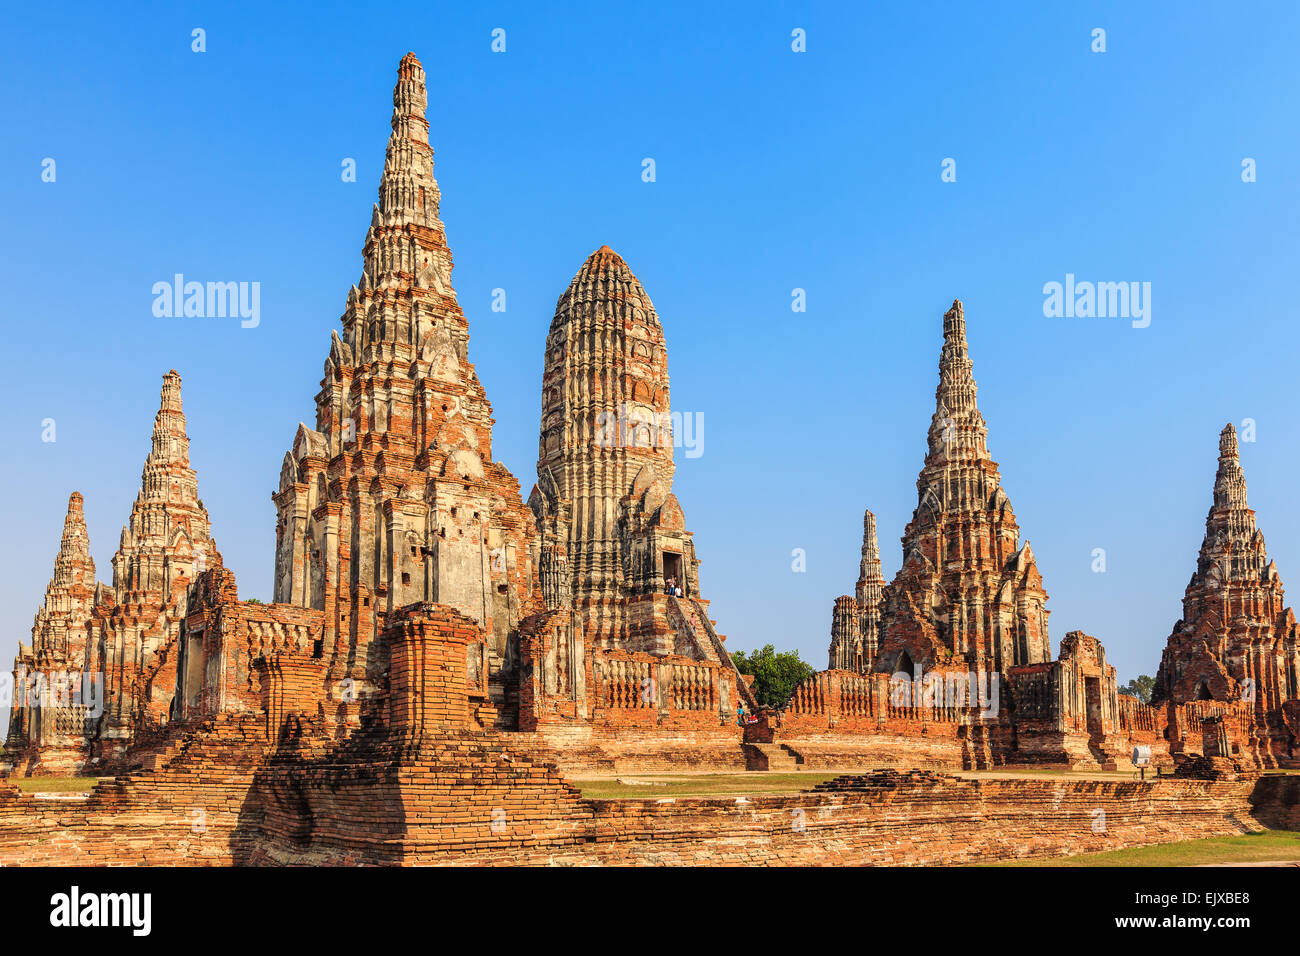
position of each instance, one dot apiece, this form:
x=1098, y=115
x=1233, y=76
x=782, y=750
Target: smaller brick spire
x=870, y=592
x=58, y=633
x=168, y=521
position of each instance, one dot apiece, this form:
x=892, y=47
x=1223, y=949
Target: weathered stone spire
x=1236, y=639
x=1230, y=481
x=606, y=322
x=957, y=430
x=869, y=568
x=59, y=630
x=404, y=298
x=393, y=497
x=51, y=735
x=168, y=534
x=605, y=451
x=968, y=594
x=74, y=565
x=605, y=462
x=869, y=593
x=407, y=190
x=169, y=452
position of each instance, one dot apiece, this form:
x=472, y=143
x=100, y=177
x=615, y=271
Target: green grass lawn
x=698, y=785
x=55, y=784
x=1270, y=845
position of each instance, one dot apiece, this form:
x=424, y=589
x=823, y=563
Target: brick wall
x=468, y=798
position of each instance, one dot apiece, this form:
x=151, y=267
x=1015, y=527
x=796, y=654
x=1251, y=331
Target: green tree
x=1140, y=688
x=775, y=674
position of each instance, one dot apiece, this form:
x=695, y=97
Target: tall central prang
x=393, y=498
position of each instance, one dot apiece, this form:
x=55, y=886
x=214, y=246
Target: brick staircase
x=504, y=695
x=774, y=757
x=159, y=751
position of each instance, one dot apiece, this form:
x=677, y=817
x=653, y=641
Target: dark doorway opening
x=1092, y=692
x=673, y=571
x=905, y=664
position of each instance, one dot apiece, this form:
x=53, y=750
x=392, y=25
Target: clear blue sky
x=775, y=170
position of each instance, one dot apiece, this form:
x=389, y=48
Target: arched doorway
x=905, y=664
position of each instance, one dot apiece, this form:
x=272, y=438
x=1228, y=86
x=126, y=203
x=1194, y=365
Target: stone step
x=770, y=757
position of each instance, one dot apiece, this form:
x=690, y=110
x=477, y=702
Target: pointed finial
x=74, y=547
x=957, y=429
x=1228, y=442
x=605, y=254
x=869, y=544
x=171, y=392
x=954, y=323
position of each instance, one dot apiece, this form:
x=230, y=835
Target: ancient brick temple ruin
x=1236, y=641
x=44, y=736
x=962, y=629
x=439, y=654
x=123, y=637
x=969, y=595
x=957, y=643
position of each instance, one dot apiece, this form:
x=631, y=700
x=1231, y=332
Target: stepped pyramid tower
x=393, y=497
x=165, y=545
x=603, y=500
x=968, y=595
x=855, y=621
x=48, y=734
x=1236, y=640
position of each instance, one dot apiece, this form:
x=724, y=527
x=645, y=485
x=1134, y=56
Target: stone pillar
x=290, y=685
x=554, y=574
x=846, y=652
x=330, y=569
x=428, y=689
x=1214, y=737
